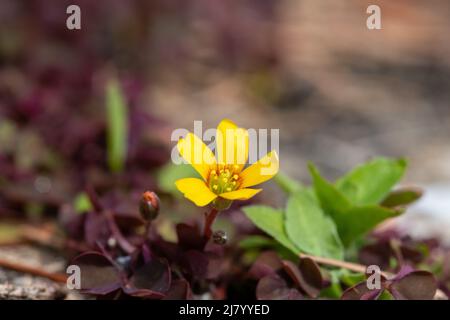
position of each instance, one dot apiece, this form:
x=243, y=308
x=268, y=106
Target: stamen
x=224, y=178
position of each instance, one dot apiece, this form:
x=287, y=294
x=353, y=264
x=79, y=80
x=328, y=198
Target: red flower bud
x=149, y=206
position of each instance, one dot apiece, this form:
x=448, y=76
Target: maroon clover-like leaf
x=267, y=263
x=306, y=276
x=190, y=237
x=195, y=263
x=380, y=254
x=274, y=287
x=376, y=254
x=403, y=272
x=415, y=285
x=150, y=281
x=360, y=291
x=407, y=284
x=99, y=275
x=96, y=229
x=411, y=254
x=216, y=265
x=179, y=290
x=72, y=222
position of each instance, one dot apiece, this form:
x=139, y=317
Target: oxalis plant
x=311, y=248
x=325, y=224
x=147, y=266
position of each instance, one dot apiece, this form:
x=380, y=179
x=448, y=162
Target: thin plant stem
x=439, y=295
x=117, y=234
x=209, y=220
x=341, y=264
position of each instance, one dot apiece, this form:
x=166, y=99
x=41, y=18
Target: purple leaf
x=146, y=253
x=376, y=254
x=96, y=229
x=142, y=293
x=152, y=280
x=189, y=237
x=415, y=285
x=99, y=275
x=267, y=263
x=195, y=263
x=179, y=290
x=411, y=254
x=360, y=291
x=72, y=221
x=273, y=287
x=404, y=271
x=216, y=265
x=372, y=295
x=381, y=252
x=306, y=276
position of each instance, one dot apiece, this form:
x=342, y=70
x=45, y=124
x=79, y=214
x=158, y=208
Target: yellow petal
x=261, y=171
x=195, y=190
x=241, y=194
x=196, y=153
x=231, y=144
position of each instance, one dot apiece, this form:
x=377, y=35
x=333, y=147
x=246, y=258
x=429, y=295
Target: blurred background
x=339, y=93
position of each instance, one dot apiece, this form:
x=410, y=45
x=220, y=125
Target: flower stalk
x=209, y=220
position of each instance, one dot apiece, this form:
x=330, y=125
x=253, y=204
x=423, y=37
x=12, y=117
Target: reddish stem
x=121, y=240
x=98, y=208
x=94, y=199
x=209, y=220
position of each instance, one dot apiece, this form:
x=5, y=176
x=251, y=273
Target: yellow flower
x=224, y=178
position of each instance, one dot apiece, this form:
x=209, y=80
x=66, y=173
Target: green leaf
x=271, y=221
x=331, y=199
x=287, y=184
x=333, y=291
x=291, y=186
x=359, y=220
x=310, y=229
x=351, y=221
x=349, y=278
x=370, y=183
x=117, y=120
x=255, y=242
x=82, y=203
x=386, y=295
x=171, y=172
x=401, y=197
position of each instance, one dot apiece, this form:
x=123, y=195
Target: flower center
x=224, y=178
